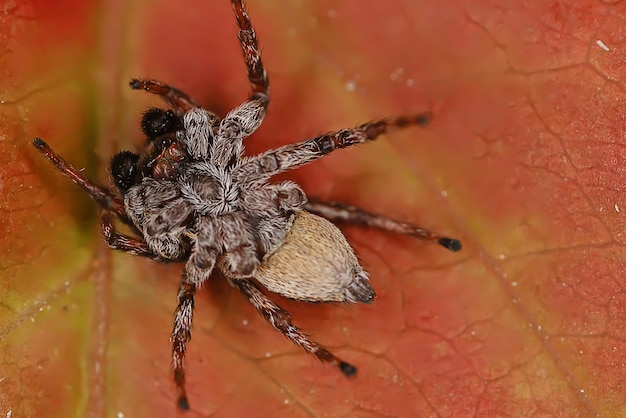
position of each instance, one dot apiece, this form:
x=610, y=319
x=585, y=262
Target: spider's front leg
x=281, y=320
x=339, y=212
x=238, y=124
x=110, y=204
x=100, y=194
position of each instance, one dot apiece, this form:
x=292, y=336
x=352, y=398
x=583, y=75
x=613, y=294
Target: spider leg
x=263, y=166
x=180, y=102
x=257, y=75
x=238, y=124
x=181, y=335
x=124, y=243
x=281, y=320
x=197, y=271
x=335, y=211
x=100, y=194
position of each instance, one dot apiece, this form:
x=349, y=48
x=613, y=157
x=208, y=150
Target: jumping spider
x=192, y=196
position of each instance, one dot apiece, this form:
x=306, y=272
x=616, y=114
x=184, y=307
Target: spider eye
x=156, y=122
x=124, y=169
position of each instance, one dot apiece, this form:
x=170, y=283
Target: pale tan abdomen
x=315, y=263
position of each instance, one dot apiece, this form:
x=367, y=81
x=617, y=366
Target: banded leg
x=335, y=211
x=281, y=320
x=238, y=124
x=197, y=270
x=263, y=166
x=181, y=334
x=100, y=194
x=180, y=102
x=257, y=75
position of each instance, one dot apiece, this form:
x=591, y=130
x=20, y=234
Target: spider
x=192, y=196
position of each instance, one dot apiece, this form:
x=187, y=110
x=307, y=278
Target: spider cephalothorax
x=161, y=156
x=191, y=195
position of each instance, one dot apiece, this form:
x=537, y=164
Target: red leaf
x=523, y=161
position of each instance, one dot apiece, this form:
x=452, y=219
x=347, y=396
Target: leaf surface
x=523, y=162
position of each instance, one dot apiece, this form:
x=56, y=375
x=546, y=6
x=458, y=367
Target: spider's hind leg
x=281, y=320
x=353, y=215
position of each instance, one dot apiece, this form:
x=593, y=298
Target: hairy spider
x=192, y=196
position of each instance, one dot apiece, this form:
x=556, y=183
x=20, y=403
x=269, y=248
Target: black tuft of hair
x=347, y=369
x=451, y=244
x=123, y=168
x=157, y=122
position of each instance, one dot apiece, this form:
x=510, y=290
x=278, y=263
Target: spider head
x=161, y=156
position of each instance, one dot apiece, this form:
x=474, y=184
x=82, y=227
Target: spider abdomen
x=315, y=263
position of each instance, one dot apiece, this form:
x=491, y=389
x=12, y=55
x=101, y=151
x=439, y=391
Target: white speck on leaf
x=602, y=45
